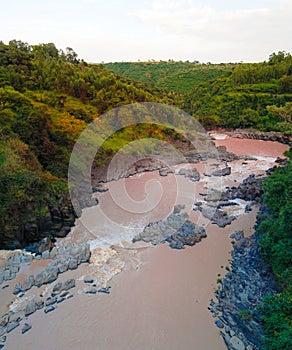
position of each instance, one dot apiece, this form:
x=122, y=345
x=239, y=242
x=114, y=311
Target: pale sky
x=132, y=30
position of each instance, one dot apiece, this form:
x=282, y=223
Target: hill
x=179, y=77
x=242, y=95
x=255, y=96
x=47, y=97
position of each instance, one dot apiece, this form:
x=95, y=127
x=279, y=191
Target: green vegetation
x=255, y=96
x=179, y=77
x=47, y=97
x=276, y=247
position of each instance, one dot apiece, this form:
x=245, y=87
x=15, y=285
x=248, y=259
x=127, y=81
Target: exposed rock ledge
x=241, y=293
x=256, y=135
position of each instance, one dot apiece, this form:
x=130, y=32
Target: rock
x=192, y=174
x=178, y=208
x=63, y=265
x=28, y=283
x=8, y=275
x=73, y=264
x=219, y=324
x=49, y=275
x=58, y=287
x=218, y=217
x=236, y=343
x=27, y=258
x=53, y=253
x=60, y=300
x=70, y=283
x=1, y=346
x=88, y=280
x=93, y=291
x=105, y=290
x=99, y=188
x=213, y=196
x=46, y=254
x=165, y=171
x=49, y=309
x=26, y=328
x=30, y=308
x=50, y=301
x=241, y=294
x=17, y=288
x=247, y=208
x=227, y=329
x=11, y=326
x=238, y=235
x=250, y=190
x=1, y=275
x=176, y=230
x=226, y=156
x=3, y=339
x=222, y=172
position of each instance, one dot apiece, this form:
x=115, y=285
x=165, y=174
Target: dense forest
x=47, y=97
x=276, y=247
x=257, y=95
x=254, y=96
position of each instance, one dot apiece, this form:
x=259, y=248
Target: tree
x=71, y=55
x=284, y=112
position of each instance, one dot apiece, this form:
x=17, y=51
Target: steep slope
x=254, y=96
x=47, y=97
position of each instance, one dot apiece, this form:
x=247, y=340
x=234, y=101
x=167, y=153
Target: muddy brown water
x=163, y=302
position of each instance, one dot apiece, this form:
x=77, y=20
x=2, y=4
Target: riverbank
x=253, y=135
x=240, y=295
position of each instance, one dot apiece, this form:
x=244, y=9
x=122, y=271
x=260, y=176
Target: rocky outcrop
x=249, y=189
x=222, y=172
x=64, y=259
x=175, y=230
x=56, y=220
x=240, y=295
x=191, y=174
x=218, y=217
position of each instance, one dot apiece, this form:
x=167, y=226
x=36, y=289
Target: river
x=159, y=296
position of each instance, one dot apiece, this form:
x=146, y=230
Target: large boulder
x=28, y=283
x=49, y=275
x=192, y=174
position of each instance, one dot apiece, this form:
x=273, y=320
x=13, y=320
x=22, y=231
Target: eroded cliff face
x=28, y=226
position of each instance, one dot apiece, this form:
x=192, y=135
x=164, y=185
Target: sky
x=132, y=30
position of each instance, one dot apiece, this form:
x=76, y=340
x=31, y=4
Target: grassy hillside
x=174, y=76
